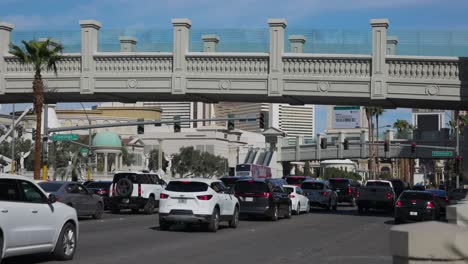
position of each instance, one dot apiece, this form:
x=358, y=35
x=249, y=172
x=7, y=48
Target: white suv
x=135, y=190
x=31, y=222
x=201, y=201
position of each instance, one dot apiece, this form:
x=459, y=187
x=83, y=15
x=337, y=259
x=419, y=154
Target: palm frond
x=19, y=53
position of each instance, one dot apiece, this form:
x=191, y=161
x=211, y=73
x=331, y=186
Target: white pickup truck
x=376, y=194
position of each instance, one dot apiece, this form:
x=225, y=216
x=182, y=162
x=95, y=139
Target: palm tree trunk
x=38, y=89
x=377, y=146
x=369, y=121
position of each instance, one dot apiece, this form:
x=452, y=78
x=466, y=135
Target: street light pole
x=89, y=143
x=457, y=153
x=12, y=165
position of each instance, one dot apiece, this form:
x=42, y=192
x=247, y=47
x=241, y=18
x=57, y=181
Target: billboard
x=346, y=117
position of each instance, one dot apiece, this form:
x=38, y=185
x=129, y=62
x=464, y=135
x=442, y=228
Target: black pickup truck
x=376, y=194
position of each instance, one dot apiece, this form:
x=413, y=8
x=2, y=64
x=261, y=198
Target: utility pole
x=12, y=165
x=457, y=154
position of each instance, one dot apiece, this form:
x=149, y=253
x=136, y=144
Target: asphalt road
x=318, y=237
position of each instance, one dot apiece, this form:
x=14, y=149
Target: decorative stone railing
x=326, y=65
x=133, y=62
x=70, y=63
x=227, y=63
x=427, y=68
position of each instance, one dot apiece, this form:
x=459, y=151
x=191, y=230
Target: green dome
x=107, y=139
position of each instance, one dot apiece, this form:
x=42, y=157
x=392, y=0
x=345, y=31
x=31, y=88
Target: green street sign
x=442, y=153
x=84, y=150
x=64, y=137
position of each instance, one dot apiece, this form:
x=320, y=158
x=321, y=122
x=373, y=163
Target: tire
x=114, y=209
x=298, y=209
x=397, y=221
x=135, y=210
x=335, y=206
x=214, y=221
x=150, y=206
x=289, y=213
x=274, y=216
x=329, y=206
x=124, y=188
x=99, y=211
x=1, y=248
x=360, y=210
x=235, y=219
x=164, y=225
x=66, y=243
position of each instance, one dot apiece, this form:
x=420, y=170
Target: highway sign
x=442, y=153
x=64, y=137
x=84, y=150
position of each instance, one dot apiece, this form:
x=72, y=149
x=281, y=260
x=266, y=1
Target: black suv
x=263, y=198
x=399, y=186
x=345, y=188
x=230, y=181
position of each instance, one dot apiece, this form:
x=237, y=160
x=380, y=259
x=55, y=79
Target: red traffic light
x=458, y=157
x=413, y=144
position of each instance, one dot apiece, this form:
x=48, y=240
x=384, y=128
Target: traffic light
x=141, y=128
x=323, y=143
x=20, y=131
x=386, y=146
x=230, y=123
x=346, y=144
x=176, y=124
x=264, y=119
x=456, y=166
x=413, y=147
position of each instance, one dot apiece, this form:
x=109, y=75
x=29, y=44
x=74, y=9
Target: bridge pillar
x=379, y=66
x=275, y=77
x=297, y=43
x=89, y=46
x=299, y=141
x=392, y=42
x=363, y=144
x=181, y=47
x=340, y=145
x=210, y=42
x=128, y=44
x=318, y=147
x=5, y=40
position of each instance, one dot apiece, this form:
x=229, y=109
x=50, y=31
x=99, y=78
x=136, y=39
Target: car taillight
x=358, y=194
x=398, y=204
x=113, y=189
x=389, y=195
x=101, y=192
x=139, y=189
x=430, y=205
x=204, y=197
x=324, y=193
x=263, y=195
x=350, y=190
x=163, y=196
x=446, y=199
x=292, y=196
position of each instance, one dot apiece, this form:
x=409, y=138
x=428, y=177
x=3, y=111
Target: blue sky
x=317, y=14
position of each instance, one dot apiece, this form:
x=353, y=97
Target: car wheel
x=235, y=219
x=1, y=248
x=149, y=206
x=114, y=209
x=329, y=206
x=214, y=221
x=360, y=210
x=66, y=243
x=274, y=216
x=99, y=211
x=335, y=206
x=289, y=212
x=135, y=210
x=397, y=221
x=298, y=209
x=164, y=225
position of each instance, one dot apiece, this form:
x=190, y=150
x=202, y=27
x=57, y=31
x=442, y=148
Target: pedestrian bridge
x=379, y=78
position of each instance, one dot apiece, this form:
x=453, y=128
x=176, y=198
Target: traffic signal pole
x=457, y=154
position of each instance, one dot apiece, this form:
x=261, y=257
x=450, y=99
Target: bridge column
x=363, y=144
x=340, y=145
x=379, y=66
x=210, y=42
x=5, y=40
x=275, y=77
x=299, y=141
x=392, y=42
x=89, y=46
x=297, y=43
x=128, y=44
x=181, y=47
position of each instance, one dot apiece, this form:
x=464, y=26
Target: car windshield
x=288, y=190
x=251, y=187
x=99, y=185
x=295, y=180
x=377, y=183
x=312, y=186
x=186, y=186
x=339, y=183
x=50, y=186
x=416, y=196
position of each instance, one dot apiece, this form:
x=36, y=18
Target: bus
x=253, y=170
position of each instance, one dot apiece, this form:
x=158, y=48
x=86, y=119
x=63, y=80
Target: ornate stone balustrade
x=133, y=62
x=228, y=63
x=327, y=65
x=70, y=63
x=427, y=68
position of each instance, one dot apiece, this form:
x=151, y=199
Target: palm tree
x=41, y=55
x=378, y=111
x=401, y=125
x=369, y=115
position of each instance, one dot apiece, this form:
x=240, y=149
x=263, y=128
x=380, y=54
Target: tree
x=40, y=54
x=127, y=158
x=153, y=161
x=403, y=128
x=307, y=171
x=191, y=162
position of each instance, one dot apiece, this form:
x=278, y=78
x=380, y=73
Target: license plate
x=125, y=200
x=249, y=199
x=413, y=213
x=182, y=201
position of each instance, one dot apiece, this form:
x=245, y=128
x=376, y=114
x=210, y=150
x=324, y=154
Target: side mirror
x=52, y=198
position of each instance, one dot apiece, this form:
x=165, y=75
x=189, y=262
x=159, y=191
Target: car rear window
x=339, y=183
x=288, y=189
x=378, y=184
x=416, y=195
x=312, y=186
x=295, y=180
x=440, y=193
x=50, y=186
x=98, y=185
x=186, y=186
x=251, y=187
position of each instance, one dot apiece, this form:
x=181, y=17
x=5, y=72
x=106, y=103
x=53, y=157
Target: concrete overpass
x=296, y=78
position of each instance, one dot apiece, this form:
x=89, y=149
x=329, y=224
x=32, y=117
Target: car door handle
x=34, y=211
x=4, y=211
